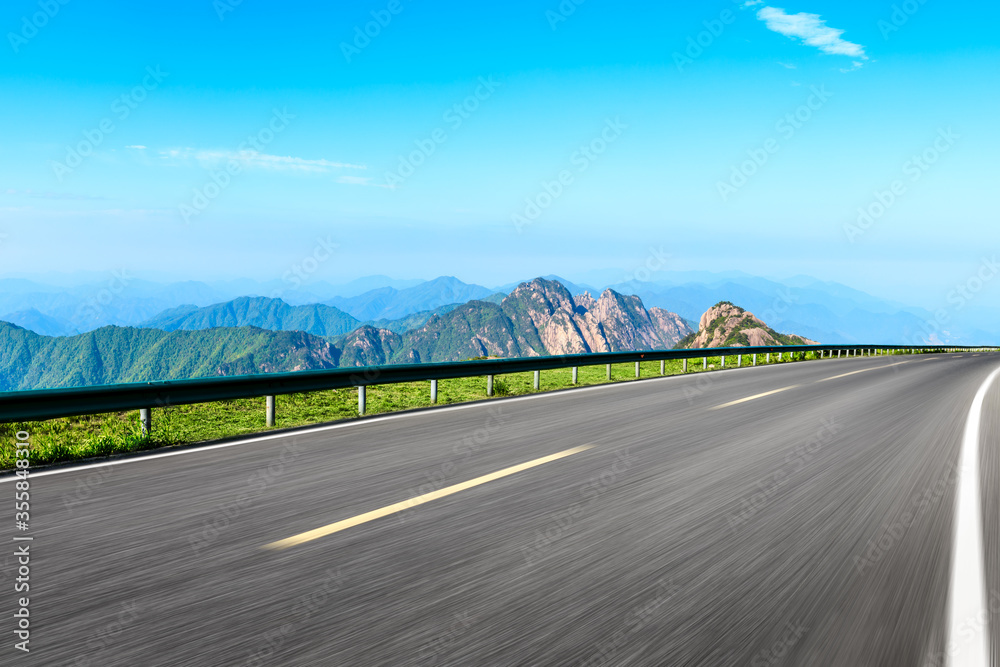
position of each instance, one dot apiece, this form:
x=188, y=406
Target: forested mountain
x=537, y=318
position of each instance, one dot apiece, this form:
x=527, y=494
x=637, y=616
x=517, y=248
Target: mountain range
x=821, y=310
x=537, y=318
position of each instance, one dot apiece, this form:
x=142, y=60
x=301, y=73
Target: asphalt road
x=809, y=526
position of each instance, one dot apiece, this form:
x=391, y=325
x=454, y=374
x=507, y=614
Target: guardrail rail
x=77, y=401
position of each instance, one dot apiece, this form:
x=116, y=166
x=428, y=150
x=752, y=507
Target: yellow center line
x=418, y=500
x=750, y=398
x=865, y=370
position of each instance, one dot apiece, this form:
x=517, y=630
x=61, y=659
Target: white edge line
x=194, y=449
x=967, y=641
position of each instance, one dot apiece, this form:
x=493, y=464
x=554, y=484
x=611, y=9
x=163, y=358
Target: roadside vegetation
x=77, y=438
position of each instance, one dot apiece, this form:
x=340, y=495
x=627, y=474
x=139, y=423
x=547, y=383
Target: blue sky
x=732, y=135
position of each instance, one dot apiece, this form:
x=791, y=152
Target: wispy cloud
x=253, y=159
x=812, y=30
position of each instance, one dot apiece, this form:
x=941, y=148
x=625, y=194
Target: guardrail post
x=704, y=364
x=489, y=385
x=362, y=400
x=434, y=392
x=637, y=369
x=779, y=356
x=685, y=365
x=538, y=380
x=663, y=366
x=146, y=421
x=722, y=362
x=755, y=359
x=739, y=360
x=576, y=374
x=269, y=409
x=609, y=372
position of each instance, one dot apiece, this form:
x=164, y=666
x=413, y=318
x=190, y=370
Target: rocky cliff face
x=728, y=325
x=543, y=318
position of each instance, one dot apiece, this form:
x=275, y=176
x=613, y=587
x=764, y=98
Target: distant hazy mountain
x=827, y=312
x=261, y=312
x=392, y=303
x=820, y=310
x=40, y=323
x=728, y=325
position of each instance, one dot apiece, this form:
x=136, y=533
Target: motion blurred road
x=809, y=525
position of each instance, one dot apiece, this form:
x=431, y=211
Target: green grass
x=76, y=438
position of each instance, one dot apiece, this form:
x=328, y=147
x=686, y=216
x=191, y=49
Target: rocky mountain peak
x=727, y=325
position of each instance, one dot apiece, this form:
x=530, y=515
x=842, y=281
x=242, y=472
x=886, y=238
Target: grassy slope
x=102, y=435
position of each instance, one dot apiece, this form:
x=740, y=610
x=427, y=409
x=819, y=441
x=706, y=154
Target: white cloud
x=253, y=159
x=812, y=30
x=752, y=3
x=787, y=65
x=138, y=147
x=855, y=65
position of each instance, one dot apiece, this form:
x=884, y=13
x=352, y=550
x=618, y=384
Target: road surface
x=801, y=514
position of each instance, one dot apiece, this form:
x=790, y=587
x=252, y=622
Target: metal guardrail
x=52, y=403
